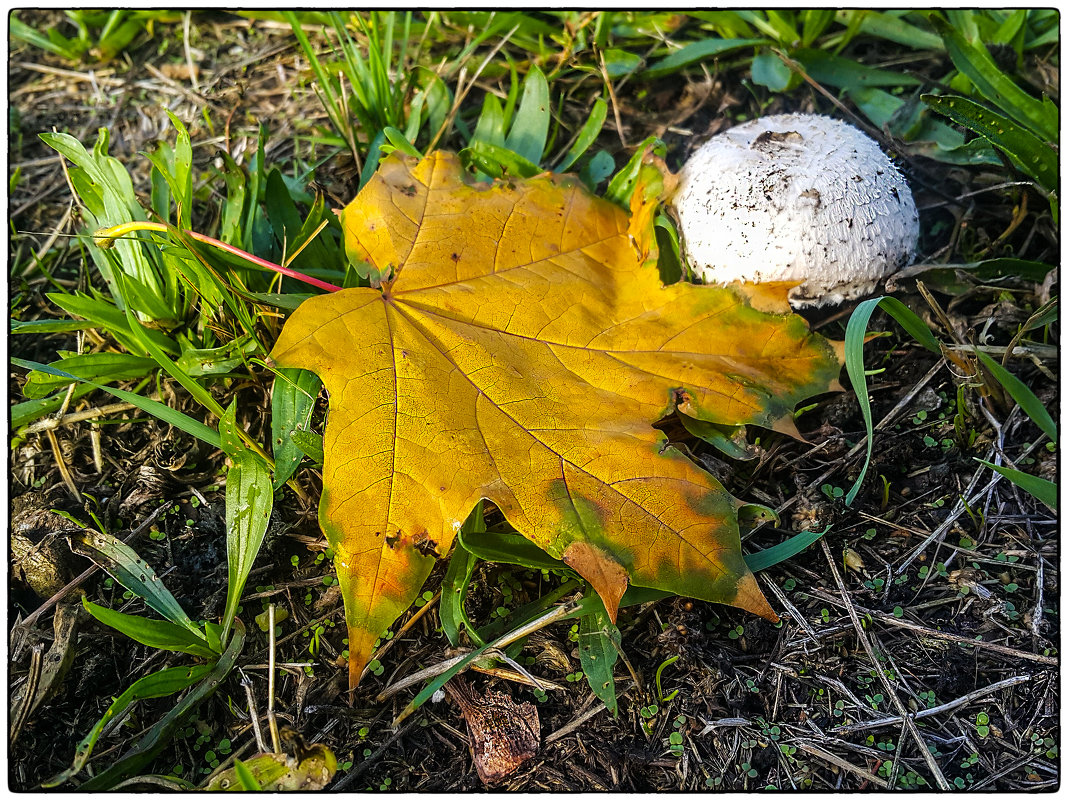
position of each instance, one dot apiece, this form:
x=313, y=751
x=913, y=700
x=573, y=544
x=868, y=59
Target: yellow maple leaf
x=519, y=350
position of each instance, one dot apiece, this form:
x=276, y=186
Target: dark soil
x=756, y=704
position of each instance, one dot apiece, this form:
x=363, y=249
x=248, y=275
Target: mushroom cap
x=799, y=198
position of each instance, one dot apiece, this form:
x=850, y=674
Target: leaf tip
x=361, y=644
x=608, y=577
x=751, y=598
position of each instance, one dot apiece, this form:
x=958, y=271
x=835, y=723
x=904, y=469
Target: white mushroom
x=800, y=198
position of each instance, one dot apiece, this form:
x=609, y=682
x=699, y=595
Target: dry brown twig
x=975, y=695
x=925, y=752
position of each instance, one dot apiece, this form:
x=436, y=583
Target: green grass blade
x=104, y=315
x=698, y=51
x=1023, y=396
x=103, y=367
x=28, y=411
x=490, y=125
x=814, y=23
x=669, y=260
x=925, y=135
x=249, y=499
x=69, y=49
x=986, y=270
x=762, y=560
x=513, y=91
x=856, y=331
x=400, y=142
x=997, y=87
x=1044, y=315
x=767, y=69
x=597, y=169
x=1026, y=151
x=133, y=573
x=621, y=187
x=167, y=681
x=177, y=172
x=160, y=634
x=598, y=641
x=233, y=209
x=157, y=737
x=194, y=388
x=508, y=549
x=1012, y=27
x=1045, y=491
x=620, y=63
x=290, y=231
x=374, y=155
x=964, y=21
x=727, y=24
x=496, y=161
x=48, y=326
x=587, y=136
x=530, y=128
x=770, y=26
x=332, y=104
x=438, y=104
x=110, y=200
x=845, y=73
x=454, y=588
x=155, y=408
x=451, y=612
x=247, y=781
x=723, y=438
x=310, y=444
x=292, y=401
x=889, y=26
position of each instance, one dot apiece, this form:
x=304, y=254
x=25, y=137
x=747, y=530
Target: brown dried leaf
x=504, y=734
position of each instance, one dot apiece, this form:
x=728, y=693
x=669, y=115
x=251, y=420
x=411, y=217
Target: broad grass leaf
x=976, y=62
x=1022, y=394
x=167, y=681
x=292, y=401
x=457, y=580
x=184, y=422
x=856, y=331
x=520, y=350
x=591, y=129
x=1043, y=489
x=1026, y=151
x=249, y=501
x=156, y=738
x=598, y=641
x=698, y=51
x=133, y=573
x=153, y=633
x=530, y=128
x=103, y=367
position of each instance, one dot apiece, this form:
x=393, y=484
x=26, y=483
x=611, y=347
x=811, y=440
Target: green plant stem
x=106, y=237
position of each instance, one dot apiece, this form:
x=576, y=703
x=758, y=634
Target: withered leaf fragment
x=504, y=734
